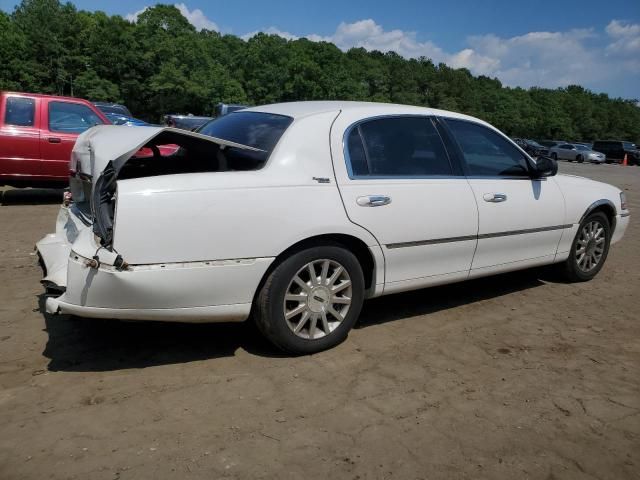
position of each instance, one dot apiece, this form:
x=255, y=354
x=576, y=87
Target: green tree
x=161, y=64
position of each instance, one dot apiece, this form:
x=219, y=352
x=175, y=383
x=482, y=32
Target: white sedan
x=294, y=214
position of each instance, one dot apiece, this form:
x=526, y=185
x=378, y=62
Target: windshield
x=582, y=147
x=629, y=145
x=116, y=118
x=255, y=129
x=115, y=109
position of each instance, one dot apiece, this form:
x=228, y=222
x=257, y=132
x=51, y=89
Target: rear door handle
x=494, y=197
x=373, y=201
x=54, y=140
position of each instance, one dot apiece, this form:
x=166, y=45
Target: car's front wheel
x=589, y=249
x=580, y=158
x=311, y=300
x=554, y=155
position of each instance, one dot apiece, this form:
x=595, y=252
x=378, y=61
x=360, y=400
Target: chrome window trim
x=358, y=123
x=399, y=177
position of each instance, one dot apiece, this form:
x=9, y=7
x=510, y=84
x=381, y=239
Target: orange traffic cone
x=625, y=162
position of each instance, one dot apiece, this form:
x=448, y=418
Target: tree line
x=162, y=64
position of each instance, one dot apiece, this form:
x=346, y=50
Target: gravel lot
x=515, y=376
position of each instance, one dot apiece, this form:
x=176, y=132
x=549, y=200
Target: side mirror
x=545, y=167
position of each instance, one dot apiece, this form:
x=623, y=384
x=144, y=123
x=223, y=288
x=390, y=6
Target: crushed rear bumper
x=54, y=249
x=202, y=291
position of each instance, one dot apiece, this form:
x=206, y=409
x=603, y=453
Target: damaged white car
x=296, y=213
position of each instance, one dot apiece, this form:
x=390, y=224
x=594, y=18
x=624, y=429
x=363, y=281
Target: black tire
x=269, y=307
x=580, y=158
x=554, y=155
x=570, y=269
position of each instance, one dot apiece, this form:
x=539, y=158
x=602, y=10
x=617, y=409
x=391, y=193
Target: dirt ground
x=511, y=377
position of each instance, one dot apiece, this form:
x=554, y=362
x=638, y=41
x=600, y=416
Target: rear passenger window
x=357, y=157
x=67, y=117
x=487, y=153
x=397, y=147
x=20, y=111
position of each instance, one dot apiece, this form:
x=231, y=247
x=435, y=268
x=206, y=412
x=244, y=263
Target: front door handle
x=373, y=201
x=494, y=197
x=54, y=140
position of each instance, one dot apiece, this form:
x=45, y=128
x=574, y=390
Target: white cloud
x=271, y=31
x=618, y=28
x=479, y=64
x=625, y=38
x=547, y=59
x=195, y=17
x=133, y=17
x=372, y=36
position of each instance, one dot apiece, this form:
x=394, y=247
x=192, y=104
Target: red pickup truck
x=37, y=134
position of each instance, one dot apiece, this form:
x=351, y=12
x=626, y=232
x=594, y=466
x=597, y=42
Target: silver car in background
x=577, y=152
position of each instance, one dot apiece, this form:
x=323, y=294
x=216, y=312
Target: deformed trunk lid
x=102, y=144
x=100, y=153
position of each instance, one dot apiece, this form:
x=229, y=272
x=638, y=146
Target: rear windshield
x=255, y=129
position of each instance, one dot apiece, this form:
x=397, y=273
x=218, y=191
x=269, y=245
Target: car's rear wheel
x=589, y=249
x=580, y=158
x=311, y=300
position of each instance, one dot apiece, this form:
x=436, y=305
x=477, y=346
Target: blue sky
x=544, y=43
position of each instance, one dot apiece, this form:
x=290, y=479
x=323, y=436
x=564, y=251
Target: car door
x=63, y=121
x=603, y=147
x=567, y=152
x=397, y=181
x=618, y=151
x=520, y=217
x=20, y=137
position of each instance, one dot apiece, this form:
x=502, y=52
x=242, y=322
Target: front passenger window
x=487, y=153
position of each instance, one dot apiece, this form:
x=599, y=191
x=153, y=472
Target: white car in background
x=296, y=213
x=575, y=151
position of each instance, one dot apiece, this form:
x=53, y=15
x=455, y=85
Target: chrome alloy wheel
x=590, y=246
x=317, y=299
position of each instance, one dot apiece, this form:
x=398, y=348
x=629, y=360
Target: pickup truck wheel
x=589, y=249
x=311, y=300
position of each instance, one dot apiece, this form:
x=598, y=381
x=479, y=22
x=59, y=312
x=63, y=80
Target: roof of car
x=112, y=104
x=41, y=95
x=303, y=109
